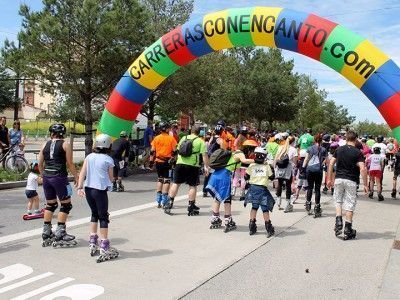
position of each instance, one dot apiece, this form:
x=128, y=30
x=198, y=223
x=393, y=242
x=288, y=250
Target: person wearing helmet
x=376, y=164
x=55, y=157
x=219, y=185
x=258, y=174
x=120, y=154
x=94, y=182
x=163, y=149
x=390, y=151
x=273, y=145
x=31, y=189
x=285, y=160
x=306, y=140
x=379, y=143
x=396, y=172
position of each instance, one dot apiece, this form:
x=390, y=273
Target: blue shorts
x=258, y=196
x=30, y=194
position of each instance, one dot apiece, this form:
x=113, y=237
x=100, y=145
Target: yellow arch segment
x=212, y=23
x=265, y=17
x=145, y=75
x=358, y=68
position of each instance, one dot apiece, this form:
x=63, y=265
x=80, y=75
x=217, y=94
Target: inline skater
x=54, y=158
x=120, y=154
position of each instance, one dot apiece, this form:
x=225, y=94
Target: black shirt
x=4, y=135
x=397, y=161
x=347, y=158
x=55, y=159
x=120, y=148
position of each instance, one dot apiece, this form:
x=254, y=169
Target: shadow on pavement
x=387, y=235
x=15, y=247
x=140, y=253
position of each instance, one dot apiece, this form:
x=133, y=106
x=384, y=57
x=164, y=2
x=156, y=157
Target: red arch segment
x=175, y=45
x=313, y=36
x=122, y=108
x=390, y=110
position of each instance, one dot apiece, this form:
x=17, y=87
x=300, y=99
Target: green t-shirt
x=181, y=135
x=272, y=148
x=306, y=141
x=232, y=164
x=199, y=148
x=370, y=143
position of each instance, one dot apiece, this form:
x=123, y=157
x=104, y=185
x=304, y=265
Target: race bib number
x=122, y=164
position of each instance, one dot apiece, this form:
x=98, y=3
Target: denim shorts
x=30, y=194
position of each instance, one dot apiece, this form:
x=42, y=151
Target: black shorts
x=30, y=194
x=187, y=174
x=163, y=169
x=117, y=171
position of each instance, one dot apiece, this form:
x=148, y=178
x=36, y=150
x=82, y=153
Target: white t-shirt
x=375, y=162
x=97, y=166
x=32, y=182
x=383, y=148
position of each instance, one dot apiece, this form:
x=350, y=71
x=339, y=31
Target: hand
x=81, y=193
x=206, y=171
x=330, y=184
x=76, y=182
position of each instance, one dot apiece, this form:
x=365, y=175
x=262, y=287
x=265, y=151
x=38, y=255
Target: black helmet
x=377, y=150
x=221, y=123
x=379, y=139
x=244, y=130
x=218, y=129
x=309, y=130
x=34, y=167
x=326, y=138
x=58, y=129
x=163, y=126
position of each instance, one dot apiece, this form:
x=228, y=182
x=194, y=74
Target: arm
x=110, y=173
x=364, y=172
x=239, y=157
x=70, y=162
x=22, y=138
x=330, y=171
x=41, y=161
x=306, y=160
x=82, y=176
x=206, y=162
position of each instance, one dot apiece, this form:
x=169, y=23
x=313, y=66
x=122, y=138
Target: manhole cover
x=396, y=245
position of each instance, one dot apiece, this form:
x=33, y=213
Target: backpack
x=219, y=159
x=213, y=146
x=314, y=164
x=186, y=147
x=283, y=162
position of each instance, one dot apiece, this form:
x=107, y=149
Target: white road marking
x=37, y=232
x=24, y=282
x=77, y=292
x=44, y=289
x=13, y=272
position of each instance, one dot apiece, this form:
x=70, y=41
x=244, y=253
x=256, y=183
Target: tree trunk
x=16, y=100
x=88, y=125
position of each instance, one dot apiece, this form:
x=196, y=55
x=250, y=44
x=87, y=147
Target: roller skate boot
x=308, y=207
x=371, y=195
x=47, y=235
x=289, y=207
x=114, y=186
x=270, y=229
x=229, y=224
x=279, y=202
x=380, y=197
x=159, y=200
x=106, y=252
x=332, y=191
x=349, y=233
x=62, y=239
x=393, y=194
x=166, y=205
x=242, y=195
x=192, y=209
x=317, y=211
x=120, y=186
x=93, y=245
x=338, y=225
x=325, y=190
x=216, y=222
x=252, y=227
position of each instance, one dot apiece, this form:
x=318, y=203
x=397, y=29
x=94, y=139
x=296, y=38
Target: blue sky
x=376, y=20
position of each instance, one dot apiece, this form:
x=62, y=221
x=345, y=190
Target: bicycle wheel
x=16, y=164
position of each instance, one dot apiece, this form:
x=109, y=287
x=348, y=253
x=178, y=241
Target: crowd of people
x=245, y=163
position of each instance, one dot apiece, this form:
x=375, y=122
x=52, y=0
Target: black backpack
x=213, y=146
x=186, y=147
x=283, y=162
x=219, y=159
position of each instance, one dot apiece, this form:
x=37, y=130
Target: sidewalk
x=168, y=257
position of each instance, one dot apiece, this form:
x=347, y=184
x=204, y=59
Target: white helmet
x=103, y=141
x=260, y=150
x=285, y=135
x=278, y=137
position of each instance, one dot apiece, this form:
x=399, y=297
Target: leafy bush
x=6, y=176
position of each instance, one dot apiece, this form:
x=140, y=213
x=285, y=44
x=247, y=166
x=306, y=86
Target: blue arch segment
x=131, y=90
x=288, y=28
x=199, y=47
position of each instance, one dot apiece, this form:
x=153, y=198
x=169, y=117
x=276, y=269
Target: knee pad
x=104, y=220
x=229, y=201
x=66, y=208
x=51, y=206
x=161, y=180
x=94, y=218
x=167, y=181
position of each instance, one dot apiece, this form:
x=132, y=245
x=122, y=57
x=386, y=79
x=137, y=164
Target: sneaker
x=28, y=212
x=37, y=212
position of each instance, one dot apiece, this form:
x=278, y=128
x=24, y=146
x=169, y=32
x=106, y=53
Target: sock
x=60, y=223
x=216, y=214
x=47, y=222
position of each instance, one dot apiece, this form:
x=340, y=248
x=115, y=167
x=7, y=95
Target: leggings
x=239, y=175
x=288, y=187
x=314, y=180
x=98, y=203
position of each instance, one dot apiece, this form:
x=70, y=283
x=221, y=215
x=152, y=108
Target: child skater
x=31, y=189
x=259, y=174
x=96, y=177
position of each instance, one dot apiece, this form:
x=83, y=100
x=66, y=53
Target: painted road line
x=37, y=232
x=24, y=282
x=13, y=272
x=44, y=289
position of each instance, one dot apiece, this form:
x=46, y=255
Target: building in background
x=35, y=102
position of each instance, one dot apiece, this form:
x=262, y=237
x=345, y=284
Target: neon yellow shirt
x=199, y=148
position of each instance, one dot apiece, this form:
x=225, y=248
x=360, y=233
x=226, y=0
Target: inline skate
x=338, y=225
x=106, y=252
x=317, y=211
x=93, y=245
x=62, y=239
x=269, y=228
x=47, y=235
x=252, y=227
x=229, y=224
x=192, y=209
x=349, y=233
x=216, y=222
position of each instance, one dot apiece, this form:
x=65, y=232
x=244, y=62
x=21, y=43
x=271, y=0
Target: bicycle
x=13, y=162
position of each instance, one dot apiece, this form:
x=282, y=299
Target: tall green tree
x=372, y=128
x=6, y=88
x=164, y=15
x=81, y=47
